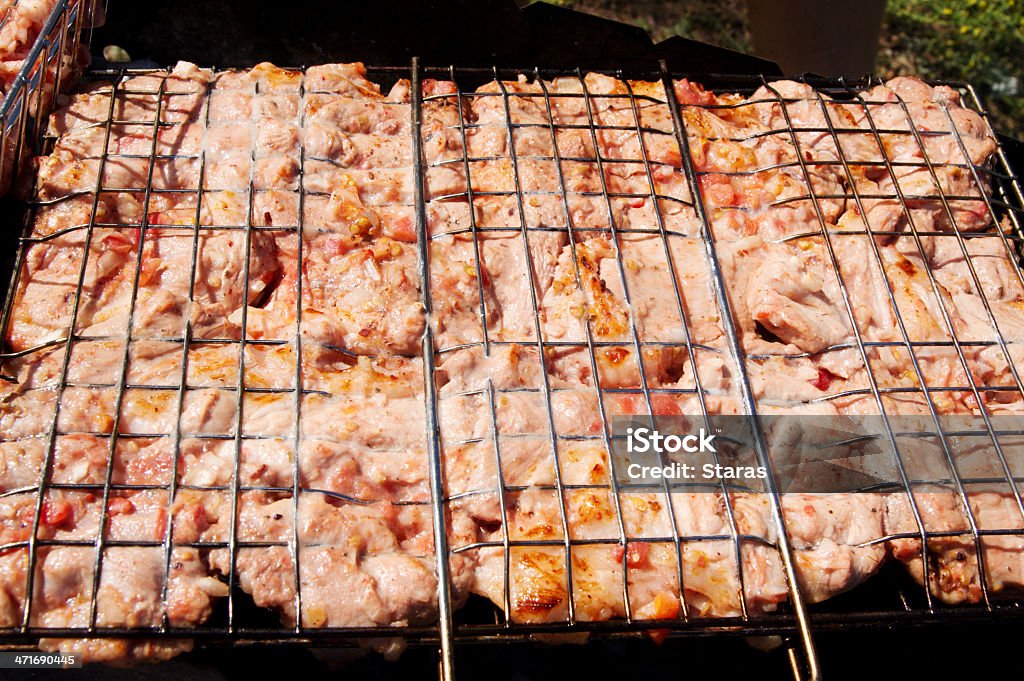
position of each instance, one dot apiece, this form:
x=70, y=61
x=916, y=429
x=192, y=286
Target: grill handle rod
x=444, y=597
x=760, y=442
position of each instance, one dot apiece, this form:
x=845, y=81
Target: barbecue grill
x=43, y=73
x=873, y=605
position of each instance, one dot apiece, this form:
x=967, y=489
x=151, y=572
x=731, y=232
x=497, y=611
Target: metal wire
x=748, y=399
x=121, y=390
x=591, y=127
x=186, y=342
x=798, y=618
x=40, y=77
x=62, y=384
x=436, y=471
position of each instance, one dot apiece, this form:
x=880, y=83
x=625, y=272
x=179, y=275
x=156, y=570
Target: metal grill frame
x=796, y=620
x=32, y=95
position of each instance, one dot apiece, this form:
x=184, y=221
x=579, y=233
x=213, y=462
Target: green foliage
x=724, y=27
x=978, y=41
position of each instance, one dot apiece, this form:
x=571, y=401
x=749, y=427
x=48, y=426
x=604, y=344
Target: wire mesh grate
x=50, y=64
x=538, y=196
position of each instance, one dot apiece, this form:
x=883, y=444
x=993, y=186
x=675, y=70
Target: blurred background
x=979, y=41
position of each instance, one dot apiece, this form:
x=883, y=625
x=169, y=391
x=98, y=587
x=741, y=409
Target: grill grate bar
x=501, y=487
x=123, y=380
x=933, y=411
x=240, y=393
x=56, y=48
x=617, y=501
x=691, y=355
x=1000, y=336
x=545, y=384
x=436, y=469
x=14, y=111
x=470, y=194
x=747, y=394
x=900, y=323
x=299, y=380
x=860, y=344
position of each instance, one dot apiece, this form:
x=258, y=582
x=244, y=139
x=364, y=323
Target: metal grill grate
x=896, y=602
x=645, y=391
x=46, y=70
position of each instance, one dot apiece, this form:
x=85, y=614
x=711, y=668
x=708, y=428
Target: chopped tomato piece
x=56, y=512
x=635, y=552
x=658, y=635
x=402, y=230
x=718, y=190
x=161, y=522
x=664, y=607
x=120, y=506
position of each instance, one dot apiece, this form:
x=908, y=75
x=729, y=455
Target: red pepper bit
x=56, y=512
x=824, y=379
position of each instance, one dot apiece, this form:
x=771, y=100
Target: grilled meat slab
x=236, y=261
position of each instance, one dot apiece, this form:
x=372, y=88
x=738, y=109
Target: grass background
x=979, y=41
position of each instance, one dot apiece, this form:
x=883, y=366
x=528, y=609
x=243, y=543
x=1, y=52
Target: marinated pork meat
x=807, y=287
x=212, y=255
x=247, y=304
x=499, y=431
x=132, y=580
x=954, y=566
x=50, y=72
x=20, y=24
